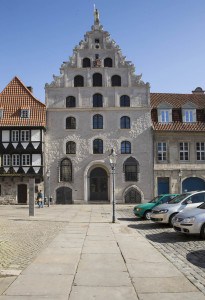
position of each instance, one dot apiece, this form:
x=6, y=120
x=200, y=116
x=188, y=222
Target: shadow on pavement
x=148, y=226
x=128, y=219
x=170, y=238
x=197, y=258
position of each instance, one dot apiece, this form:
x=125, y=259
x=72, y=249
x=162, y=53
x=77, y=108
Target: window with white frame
x=6, y=160
x=25, y=159
x=25, y=135
x=15, y=160
x=164, y=116
x=184, y=151
x=189, y=115
x=162, y=151
x=25, y=113
x=14, y=135
x=200, y=151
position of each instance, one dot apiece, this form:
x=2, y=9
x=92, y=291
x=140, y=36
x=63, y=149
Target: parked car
x=191, y=221
x=143, y=210
x=165, y=213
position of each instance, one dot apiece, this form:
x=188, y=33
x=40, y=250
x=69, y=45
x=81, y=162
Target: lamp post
x=180, y=181
x=48, y=181
x=112, y=159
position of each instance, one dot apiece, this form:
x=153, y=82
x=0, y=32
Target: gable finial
x=96, y=16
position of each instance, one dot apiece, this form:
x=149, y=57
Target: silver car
x=191, y=221
x=165, y=213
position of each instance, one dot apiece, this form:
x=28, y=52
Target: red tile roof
x=177, y=100
x=17, y=96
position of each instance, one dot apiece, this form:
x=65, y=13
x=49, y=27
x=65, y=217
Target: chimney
x=30, y=89
x=198, y=90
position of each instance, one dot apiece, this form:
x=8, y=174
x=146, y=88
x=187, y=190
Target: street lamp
x=180, y=180
x=112, y=159
x=48, y=179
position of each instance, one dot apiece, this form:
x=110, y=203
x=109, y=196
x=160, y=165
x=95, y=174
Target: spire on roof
x=96, y=16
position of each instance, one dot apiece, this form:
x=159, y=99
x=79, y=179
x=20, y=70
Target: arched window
x=78, y=81
x=97, y=146
x=125, y=147
x=131, y=169
x=125, y=122
x=116, y=80
x=66, y=170
x=97, y=122
x=70, y=101
x=70, y=123
x=125, y=101
x=86, y=62
x=70, y=147
x=133, y=196
x=97, y=100
x=108, y=62
x=97, y=79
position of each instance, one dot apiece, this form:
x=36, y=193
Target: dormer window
x=25, y=113
x=164, y=111
x=1, y=113
x=189, y=113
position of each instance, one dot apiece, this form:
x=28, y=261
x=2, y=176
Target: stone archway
x=132, y=195
x=193, y=184
x=98, y=185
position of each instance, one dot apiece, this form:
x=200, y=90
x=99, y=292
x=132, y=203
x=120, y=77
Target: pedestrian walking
x=40, y=199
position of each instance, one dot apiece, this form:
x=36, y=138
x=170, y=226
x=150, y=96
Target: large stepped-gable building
x=96, y=104
x=22, y=125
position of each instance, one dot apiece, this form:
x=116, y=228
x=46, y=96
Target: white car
x=191, y=221
x=166, y=212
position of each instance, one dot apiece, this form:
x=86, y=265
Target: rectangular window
x=131, y=173
x=1, y=113
x=184, y=151
x=25, y=135
x=6, y=160
x=200, y=151
x=162, y=151
x=25, y=113
x=15, y=136
x=16, y=160
x=189, y=115
x=25, y=159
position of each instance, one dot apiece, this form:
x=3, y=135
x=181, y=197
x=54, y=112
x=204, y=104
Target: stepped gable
x=87, y=45
x=15, y=97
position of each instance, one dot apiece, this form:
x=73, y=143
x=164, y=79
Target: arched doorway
x=22, y=193
x=98, y=185
x=64, y=195
x=133, y=196
x=193, y=184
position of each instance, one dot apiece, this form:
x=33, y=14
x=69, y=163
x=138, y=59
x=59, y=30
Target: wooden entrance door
x=98, y=185
x=63, y=195
x=22, y=194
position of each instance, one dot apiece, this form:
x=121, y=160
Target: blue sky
x=163, y=38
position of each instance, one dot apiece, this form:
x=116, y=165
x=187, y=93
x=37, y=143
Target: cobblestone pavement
x=22, y=239
x=187, y=253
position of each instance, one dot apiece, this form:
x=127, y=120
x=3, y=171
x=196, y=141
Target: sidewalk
x=93, y=259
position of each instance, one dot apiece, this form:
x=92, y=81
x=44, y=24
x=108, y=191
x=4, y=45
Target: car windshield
x=178, y=199
x=155, y=200
x=202, y=206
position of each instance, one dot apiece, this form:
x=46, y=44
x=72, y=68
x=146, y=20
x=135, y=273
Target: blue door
x=193, y=184
x=163, y=185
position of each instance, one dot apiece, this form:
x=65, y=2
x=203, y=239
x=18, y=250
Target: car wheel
x=202, y=232
x=147, y=214
x=171, y=219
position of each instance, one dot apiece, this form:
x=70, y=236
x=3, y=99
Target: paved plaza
x=74, y=252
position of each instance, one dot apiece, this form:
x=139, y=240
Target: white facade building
x=96, y=104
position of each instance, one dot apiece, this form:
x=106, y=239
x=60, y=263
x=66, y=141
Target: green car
x=143, y=210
